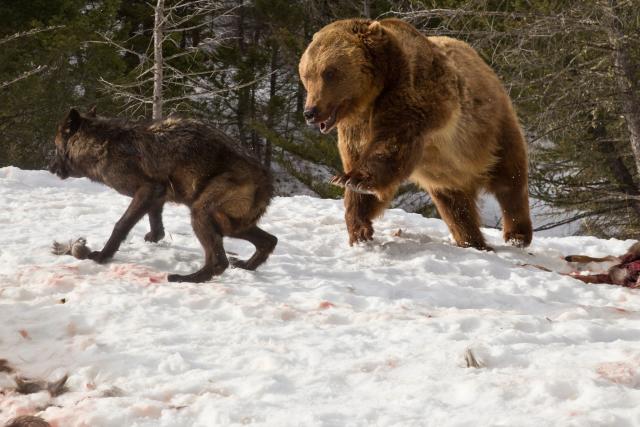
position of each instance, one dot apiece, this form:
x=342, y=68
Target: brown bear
x=427, y=109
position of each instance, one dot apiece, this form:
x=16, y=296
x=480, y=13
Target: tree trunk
x=255, y=142
x=243, y=92
x=271, y=118
x=625, y=79
x=366, y=9
x=619, y=170
x=300, y=89
x=158, y=62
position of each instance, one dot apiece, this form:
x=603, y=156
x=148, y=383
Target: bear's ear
x=374, y=34
x=375, y=29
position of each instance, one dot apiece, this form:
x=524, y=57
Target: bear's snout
x=310, y=114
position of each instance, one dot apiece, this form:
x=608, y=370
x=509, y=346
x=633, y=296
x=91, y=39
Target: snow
x=323, y=334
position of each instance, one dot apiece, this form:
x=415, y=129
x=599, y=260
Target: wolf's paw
x=240, y=263
x=154, y=237
x=97, y=256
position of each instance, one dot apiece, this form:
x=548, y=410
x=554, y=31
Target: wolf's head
x=62, y=164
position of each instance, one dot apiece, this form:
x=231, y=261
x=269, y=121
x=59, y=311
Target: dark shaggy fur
x=173, y=160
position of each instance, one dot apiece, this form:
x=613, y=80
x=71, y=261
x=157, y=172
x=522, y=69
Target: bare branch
x=23, y=76
x=29, y=33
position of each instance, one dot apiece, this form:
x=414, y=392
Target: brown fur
x=173, y=160
x=422, y=108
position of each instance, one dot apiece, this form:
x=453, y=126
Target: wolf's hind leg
x=264, y=242
x=155, y=222
x=142, y=201
x=209, y=233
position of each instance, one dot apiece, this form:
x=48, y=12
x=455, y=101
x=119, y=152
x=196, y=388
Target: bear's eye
x=328, y=75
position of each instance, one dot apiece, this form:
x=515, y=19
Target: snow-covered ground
x=321, y=335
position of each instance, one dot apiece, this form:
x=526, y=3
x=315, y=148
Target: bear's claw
x=359, y=186
x=340, y=180
x=360, y=232
x=353, y=183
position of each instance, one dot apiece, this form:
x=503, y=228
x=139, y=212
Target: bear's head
x=340, y=72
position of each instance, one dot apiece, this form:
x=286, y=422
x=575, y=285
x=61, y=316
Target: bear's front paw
x=359, y=231
x=354, y=182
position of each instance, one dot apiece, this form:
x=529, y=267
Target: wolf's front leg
x=145, y=198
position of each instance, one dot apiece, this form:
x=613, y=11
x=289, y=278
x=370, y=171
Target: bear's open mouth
x=326, y=125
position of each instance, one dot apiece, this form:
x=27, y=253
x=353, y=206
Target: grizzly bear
x=427, y=109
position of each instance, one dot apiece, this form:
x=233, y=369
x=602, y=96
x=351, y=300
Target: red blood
x=324, y=305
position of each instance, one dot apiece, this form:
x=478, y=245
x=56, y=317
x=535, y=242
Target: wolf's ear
x=72, y=122
x=92, y=111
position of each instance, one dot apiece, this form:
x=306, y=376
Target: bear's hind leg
x=509, y=183
x=459, y=211
x=516, y=227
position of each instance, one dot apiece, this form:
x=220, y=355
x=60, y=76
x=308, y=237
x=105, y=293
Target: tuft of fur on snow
x=76, y=248
x=29, y=386
x=4, y=366
x=27, y=421
x=56, y=388
x=471, y=360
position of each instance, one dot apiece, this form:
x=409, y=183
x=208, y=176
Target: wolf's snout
x=53, y=165
x=57, y=167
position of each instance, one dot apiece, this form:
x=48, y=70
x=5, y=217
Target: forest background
x=572, y=69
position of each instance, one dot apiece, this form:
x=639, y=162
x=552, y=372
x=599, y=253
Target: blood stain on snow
x=24, y=334
x=137, y=273
x=71, y=329
x=287, y=315
x=622, y=373
x=324, y=305
x=145, y=410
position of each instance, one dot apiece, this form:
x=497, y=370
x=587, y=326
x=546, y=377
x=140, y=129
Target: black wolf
x=174, y=160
